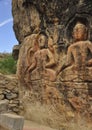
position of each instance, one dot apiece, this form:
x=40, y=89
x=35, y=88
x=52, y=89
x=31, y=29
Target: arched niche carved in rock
x=72, y=22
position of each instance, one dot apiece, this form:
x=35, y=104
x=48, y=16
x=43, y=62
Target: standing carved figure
x=43, y=60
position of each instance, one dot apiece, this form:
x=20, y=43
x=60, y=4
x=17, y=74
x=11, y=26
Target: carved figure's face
x=42, y=41
x=80, y=32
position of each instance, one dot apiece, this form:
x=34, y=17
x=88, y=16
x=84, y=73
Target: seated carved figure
x=79, y=54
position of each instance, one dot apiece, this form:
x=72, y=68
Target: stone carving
x=77, y=68
x=51, y=95
x=79, y=52
x=49, y=84
x=24, y=61
x=42, y=62
x=55, y=59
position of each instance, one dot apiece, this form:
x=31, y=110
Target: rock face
x=30, y=16
x=55, y=59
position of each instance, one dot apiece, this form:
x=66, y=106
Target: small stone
x=21, y=107
x=15, y=109
x=1, y=91
x=70, y=114
x=6, y=91
x=11, y=96
x=14, y=101
x=1, y=96
x=12, y=105
x=3, y=106
x=15, y=90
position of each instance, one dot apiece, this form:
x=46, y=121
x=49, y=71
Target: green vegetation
x=7, y=64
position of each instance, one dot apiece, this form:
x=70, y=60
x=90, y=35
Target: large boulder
x=44, y=29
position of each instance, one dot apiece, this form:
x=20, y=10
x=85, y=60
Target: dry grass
x=50, y=116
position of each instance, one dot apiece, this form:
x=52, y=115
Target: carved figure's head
x=42, y=40
x=80, y=32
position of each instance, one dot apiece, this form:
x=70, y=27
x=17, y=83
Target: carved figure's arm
x=51, y=59
x=70, y=56
x=89, y=63
x=33, y=65
x=50, y=45
x=68, y=61
x=90, y=46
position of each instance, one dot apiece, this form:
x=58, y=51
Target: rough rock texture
x=9, y=92
x=55, y=59
x=15, y=52
x=31, y=15
x=3, y=106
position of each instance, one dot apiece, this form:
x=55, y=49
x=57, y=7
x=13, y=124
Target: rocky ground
x=29, y=125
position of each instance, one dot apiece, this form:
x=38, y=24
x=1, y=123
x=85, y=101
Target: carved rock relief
x=54, y=68
x=50, y=81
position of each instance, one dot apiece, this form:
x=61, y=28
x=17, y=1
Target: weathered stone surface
x=4, y=106
x=1, y=96
x=11, y=96
x=11, y=122
x=1, y=128
x=55, y=60
x=44, y=13
x=9, y=90
x=15, y=51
